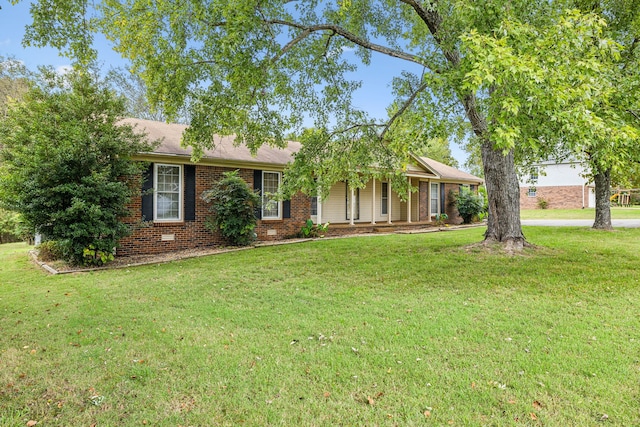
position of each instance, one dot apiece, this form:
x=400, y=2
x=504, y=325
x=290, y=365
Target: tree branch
x=433, y=20
x=402, y=109
x=310, y=29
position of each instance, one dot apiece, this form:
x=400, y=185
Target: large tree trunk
x=500, y=175
x=603, y=204
x=503, y=192
x=501, y=180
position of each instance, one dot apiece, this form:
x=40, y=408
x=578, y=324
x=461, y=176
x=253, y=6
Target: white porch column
x=353, y=202
x=319, y=214
x=409, y=202
x=389, y=202
x=373, y=201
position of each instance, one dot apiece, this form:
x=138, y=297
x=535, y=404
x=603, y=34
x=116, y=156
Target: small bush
x=233, y=206
x=468, y=203
x=51, y=250
x=309, y=229
x=441, y=218
x=543, y=203
x=93, y=257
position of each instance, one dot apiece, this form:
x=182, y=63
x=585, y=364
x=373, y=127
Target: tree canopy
x=259, y=69
x=574, y=77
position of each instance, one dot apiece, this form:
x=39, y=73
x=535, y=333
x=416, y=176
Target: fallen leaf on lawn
x=33, y=351
x=533, y=416
x=31, y=423
x=327, y=394
x=511, y=401
x=370, y=400
x=537, y=404
x=427, y=414
x=473, y=385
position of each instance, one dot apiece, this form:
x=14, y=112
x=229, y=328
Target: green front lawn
x=587, y=213
x=375, y=330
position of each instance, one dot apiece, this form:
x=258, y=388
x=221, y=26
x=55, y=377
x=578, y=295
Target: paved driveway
x=624, y=223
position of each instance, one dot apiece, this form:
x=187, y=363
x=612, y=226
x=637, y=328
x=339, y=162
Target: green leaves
x=233, y=206
x=66, y=163
x=554, y=86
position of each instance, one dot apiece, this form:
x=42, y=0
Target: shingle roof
x=449, y=173
x=224, y=149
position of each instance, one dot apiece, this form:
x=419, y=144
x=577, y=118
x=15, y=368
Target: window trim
x=532, y=192
x=263, y=195
x=384, y=198
x=180, y=193
x=437, y=198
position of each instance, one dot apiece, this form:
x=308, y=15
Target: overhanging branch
x=402, y=109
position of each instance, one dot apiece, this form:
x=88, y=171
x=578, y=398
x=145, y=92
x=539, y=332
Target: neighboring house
x=170, y=215
x=561, y=185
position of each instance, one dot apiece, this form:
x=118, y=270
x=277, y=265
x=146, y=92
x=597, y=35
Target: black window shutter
x=257, y=186
x=147, y=194
x=286, y=209
x=442, y=195
x=189, y=192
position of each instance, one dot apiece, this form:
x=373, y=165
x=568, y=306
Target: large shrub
x=469, y=204
x=233, y=206
x=66, y=163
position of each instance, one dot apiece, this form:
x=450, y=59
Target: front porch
x=368, y=228
x=377, y=205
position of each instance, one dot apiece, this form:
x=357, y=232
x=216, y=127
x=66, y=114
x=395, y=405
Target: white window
x=532, y=192
x=435, y=199
x=270, y=187
x=314, y=205
x=167, y=195
x=384, y=197
x=533, y=177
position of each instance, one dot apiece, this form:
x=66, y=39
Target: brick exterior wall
x=561, y=197
x=160, y=237
x=147, y=238
x=423, y=194
x=449, y=209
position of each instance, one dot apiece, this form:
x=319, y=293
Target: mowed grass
x=379, y=330
x=587, y=213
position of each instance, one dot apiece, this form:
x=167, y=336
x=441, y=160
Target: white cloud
x=5, y=42
x=64, y=69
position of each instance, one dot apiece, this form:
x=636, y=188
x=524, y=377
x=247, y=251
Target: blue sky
x=373, y=97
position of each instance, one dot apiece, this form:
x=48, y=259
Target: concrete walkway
x=622, y=223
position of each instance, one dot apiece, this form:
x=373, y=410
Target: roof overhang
x=181, y=159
